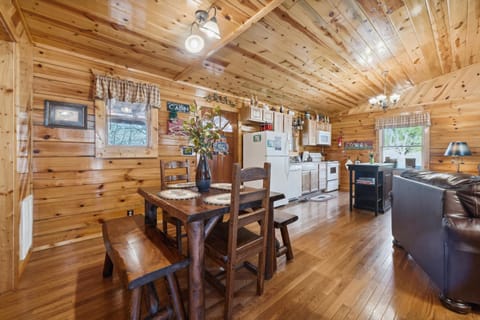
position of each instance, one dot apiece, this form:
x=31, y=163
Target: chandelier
x=383, y=100
x=209, y=26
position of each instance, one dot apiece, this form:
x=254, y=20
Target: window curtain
x=126, y=90
x=404, y=120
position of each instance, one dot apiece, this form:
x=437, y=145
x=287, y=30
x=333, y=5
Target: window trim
x=103, y=150
x=425, y=146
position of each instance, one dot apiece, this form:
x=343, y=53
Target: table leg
x=196, y=294
x=271, y=257
x=150, y=214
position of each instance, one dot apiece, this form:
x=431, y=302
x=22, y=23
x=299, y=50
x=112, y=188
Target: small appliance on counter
x=306, y=156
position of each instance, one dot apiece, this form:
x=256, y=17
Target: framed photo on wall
x=64, y=114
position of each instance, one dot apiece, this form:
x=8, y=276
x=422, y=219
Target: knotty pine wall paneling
x=74, y=191
x=453, y=101
x=15, y=137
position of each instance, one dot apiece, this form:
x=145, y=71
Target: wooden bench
x=281, y=220
x=141, y=256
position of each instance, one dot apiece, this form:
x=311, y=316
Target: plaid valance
x=404, y=120
x=128, y=91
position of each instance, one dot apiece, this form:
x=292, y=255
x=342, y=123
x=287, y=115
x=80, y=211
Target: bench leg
x=175, y=294
x=107, y=266
x=164, y=223
x=135, y=303
x=151, y=297
x=286, y=242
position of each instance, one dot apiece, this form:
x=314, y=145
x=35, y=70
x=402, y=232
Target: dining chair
x=244, y=235
x=173, y=171
x=141, y=256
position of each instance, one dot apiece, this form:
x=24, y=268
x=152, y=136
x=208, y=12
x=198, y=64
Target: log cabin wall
x=453, y=101
x=15, y=137
x=74, y=191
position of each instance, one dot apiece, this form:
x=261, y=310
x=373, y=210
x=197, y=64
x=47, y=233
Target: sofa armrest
x=462, y=233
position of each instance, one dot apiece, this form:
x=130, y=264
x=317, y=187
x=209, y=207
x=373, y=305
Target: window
x=125, y=130
x=404, y=140
x=403, y=146
x=127, y=124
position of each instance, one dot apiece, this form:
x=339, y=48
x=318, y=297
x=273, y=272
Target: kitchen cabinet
x=370, y=186
x=287, y=124
x=278, y=122
x=267, y=116
x=250, y=113
x=309, y=132
x=309, y=177
x=322, y=175
x=255, y=114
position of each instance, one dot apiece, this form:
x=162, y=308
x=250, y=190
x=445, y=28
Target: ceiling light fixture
x=194, y=42
x=383, y=100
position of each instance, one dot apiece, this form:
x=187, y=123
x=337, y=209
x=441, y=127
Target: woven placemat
x=181, y=185
x=178, y=194
x=221, y=199
x=223, y=186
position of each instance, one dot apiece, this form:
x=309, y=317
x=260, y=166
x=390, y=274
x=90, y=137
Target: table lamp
x=457, y=150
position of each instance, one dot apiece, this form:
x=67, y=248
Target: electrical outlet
x=130, y=212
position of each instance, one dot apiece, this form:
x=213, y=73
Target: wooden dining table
x=199, y=219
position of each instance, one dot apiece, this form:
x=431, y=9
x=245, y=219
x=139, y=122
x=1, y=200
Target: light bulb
x=210, y=28
x=394, y=98
x=194, y=43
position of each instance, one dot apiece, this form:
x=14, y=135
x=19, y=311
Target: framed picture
x=64, y=114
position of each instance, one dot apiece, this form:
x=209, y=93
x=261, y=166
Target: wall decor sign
x=175, y=127
x=178, y=107
x=63, y=114
x=358, y=145
x=222, y=99
x=220, y=147
x=186, y=150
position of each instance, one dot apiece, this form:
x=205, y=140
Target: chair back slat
x=174, y=171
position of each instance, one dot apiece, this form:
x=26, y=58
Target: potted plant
x=202, y=133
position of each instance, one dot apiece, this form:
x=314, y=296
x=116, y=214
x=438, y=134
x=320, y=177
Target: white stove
x=333, y=174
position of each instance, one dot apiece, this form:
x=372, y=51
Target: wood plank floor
x=344, y=268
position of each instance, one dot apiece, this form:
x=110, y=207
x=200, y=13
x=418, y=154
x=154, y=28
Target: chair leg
x=175, y=294
x=229, y=290
x=135, y=303
x=261, y=272
x=286, y=242
x=107, y=266
x=178, y=235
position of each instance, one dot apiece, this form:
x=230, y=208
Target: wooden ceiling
x=325, y=55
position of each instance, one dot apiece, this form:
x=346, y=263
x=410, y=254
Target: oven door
x=332, y=171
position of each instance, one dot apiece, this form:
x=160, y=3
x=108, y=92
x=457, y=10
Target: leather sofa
x=436, y=219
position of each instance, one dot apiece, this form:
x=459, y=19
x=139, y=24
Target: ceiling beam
x=230, y=37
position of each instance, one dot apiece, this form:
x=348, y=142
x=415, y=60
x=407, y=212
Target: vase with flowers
x=202, y=133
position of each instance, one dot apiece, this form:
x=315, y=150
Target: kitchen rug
x=322, y=197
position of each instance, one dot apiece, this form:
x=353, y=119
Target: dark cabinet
x=370, y=186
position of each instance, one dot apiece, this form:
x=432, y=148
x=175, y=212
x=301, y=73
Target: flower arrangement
x=201, y=130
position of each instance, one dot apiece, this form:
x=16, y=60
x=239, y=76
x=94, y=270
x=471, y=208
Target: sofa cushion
x=463, y=233
x=470, y=198
x=441, y=179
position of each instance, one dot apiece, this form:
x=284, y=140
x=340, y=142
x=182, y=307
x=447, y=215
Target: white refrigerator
x=268, y=146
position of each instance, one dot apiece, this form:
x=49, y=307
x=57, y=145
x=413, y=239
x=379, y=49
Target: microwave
x=324, y=138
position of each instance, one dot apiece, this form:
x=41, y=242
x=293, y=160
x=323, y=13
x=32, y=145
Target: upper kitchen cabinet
x=255, y=114
x=278, y=122
x=309, y=132
x=316, y=133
